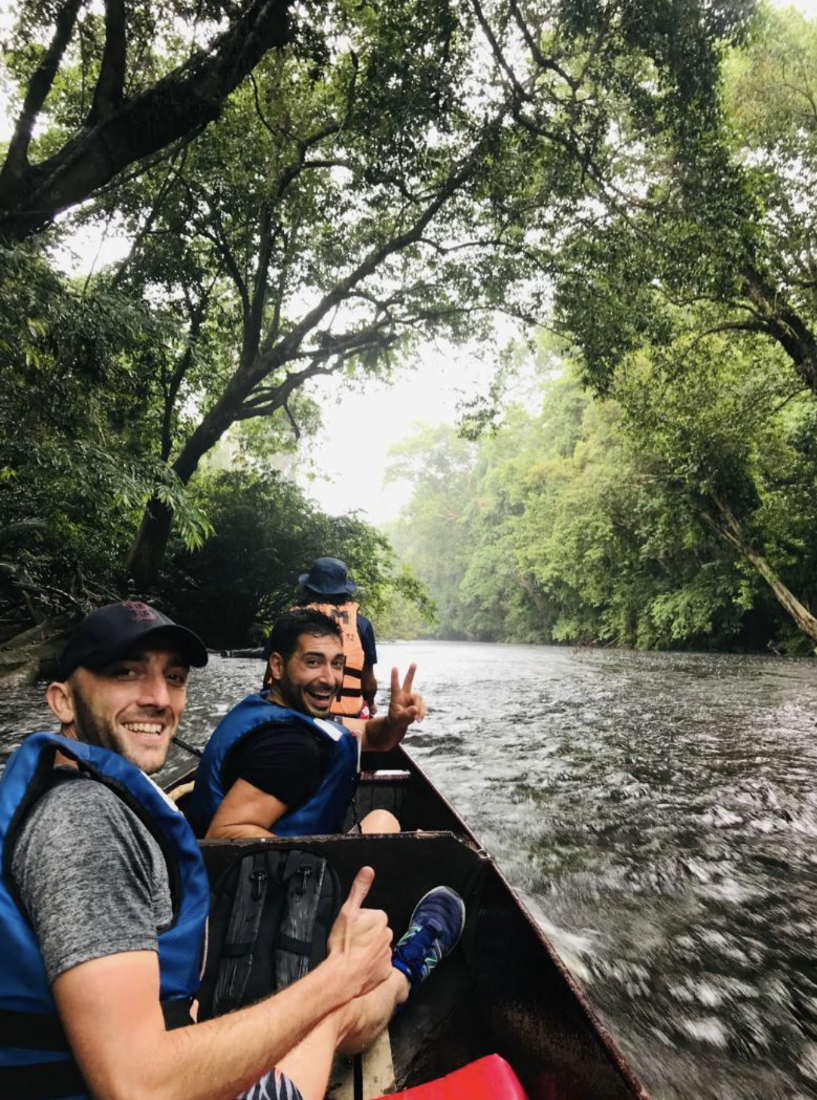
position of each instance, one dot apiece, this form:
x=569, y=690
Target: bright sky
x=359, y=428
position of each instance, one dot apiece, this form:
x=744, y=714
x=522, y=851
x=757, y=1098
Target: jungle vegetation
x=310, y=191
x=603, y=521
x=661, y=492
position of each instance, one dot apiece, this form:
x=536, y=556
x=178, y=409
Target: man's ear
x=276, y=667
x=59, y=698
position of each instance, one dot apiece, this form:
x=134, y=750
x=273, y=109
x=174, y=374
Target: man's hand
x=362, y=938
x=405, y=706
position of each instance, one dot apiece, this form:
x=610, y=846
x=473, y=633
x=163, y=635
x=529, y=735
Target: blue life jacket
x=35, y=1058
x=324, y=812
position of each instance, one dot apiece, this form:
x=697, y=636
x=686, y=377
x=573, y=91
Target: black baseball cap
x=111, y=631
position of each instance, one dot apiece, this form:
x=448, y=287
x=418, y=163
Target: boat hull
x=504, y=990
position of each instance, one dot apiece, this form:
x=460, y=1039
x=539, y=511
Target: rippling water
x=658, y=814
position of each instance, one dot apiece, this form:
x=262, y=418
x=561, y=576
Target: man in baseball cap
x=104, y=900
x=122, y=681
x=109, y=632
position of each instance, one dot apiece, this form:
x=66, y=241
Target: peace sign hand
x=405, y=705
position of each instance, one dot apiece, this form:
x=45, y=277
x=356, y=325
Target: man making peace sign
x=277, y=763
x=104, y=899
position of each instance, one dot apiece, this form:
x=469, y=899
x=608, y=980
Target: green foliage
x=589, y=521
x=395, y=174
x=266, y=533
x=404, y=619
x=719, y=229
x=76, y=466
x=433, y=537
x=691, y=300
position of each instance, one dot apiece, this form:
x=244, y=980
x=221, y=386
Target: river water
x=658, y=814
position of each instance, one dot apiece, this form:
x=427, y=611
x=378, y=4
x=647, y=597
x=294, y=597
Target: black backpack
x=271, y=912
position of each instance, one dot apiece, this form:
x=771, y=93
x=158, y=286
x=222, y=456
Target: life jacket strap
x=53, y=1080
x=42, y=1081
x=32, y=1031
x=177, y=1013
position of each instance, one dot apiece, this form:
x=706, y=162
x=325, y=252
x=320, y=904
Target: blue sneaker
x=433, y=932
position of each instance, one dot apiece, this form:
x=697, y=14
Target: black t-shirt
x=281, y=759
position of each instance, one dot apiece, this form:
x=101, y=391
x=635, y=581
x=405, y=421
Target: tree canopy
x=117, y=90
x=720, y=235
x=310, y=192
x=680, y=515
x=383, y=176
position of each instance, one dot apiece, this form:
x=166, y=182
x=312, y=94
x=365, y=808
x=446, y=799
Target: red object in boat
x=488, y=1078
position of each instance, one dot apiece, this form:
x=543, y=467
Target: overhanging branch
x=38, y=88
x=189, y=96
x=111, y=82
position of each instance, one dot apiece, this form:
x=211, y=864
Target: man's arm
x=94, y=884
x=110, y=1010
x=368, y=678
x=273, y=772
x=245, y=811
x=405, y=706
x=368, y=686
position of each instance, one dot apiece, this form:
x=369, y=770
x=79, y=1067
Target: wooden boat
x=504, y=990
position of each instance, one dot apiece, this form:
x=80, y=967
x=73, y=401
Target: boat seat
x=383, y=789
x=364, y=1076
x=489, y=1078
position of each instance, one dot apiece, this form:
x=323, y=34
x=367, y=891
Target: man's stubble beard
x=100, y=733
x=289, y=695
x=295, y=698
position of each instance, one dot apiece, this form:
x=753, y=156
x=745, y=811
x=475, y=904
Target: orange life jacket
x=350, y=702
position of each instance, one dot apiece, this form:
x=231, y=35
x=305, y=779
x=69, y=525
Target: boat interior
x=504, y=990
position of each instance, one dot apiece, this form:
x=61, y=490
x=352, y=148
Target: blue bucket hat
x=329, y=577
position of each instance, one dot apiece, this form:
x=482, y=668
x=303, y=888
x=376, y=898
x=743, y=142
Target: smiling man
x=117, y=647
x=104, y=900
x=327, y=587
x=278, y=763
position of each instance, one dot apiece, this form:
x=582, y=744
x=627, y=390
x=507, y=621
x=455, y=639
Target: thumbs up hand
x=362, y=938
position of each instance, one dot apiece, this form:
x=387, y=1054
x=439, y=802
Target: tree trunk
x=33, y=653
x=148, y=548
x=151, y=541
x=785, y=325
x=731, y=532
x=805, y=621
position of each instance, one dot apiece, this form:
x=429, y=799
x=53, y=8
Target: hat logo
x=139, y=612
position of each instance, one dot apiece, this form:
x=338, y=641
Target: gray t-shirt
x=92, y=878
